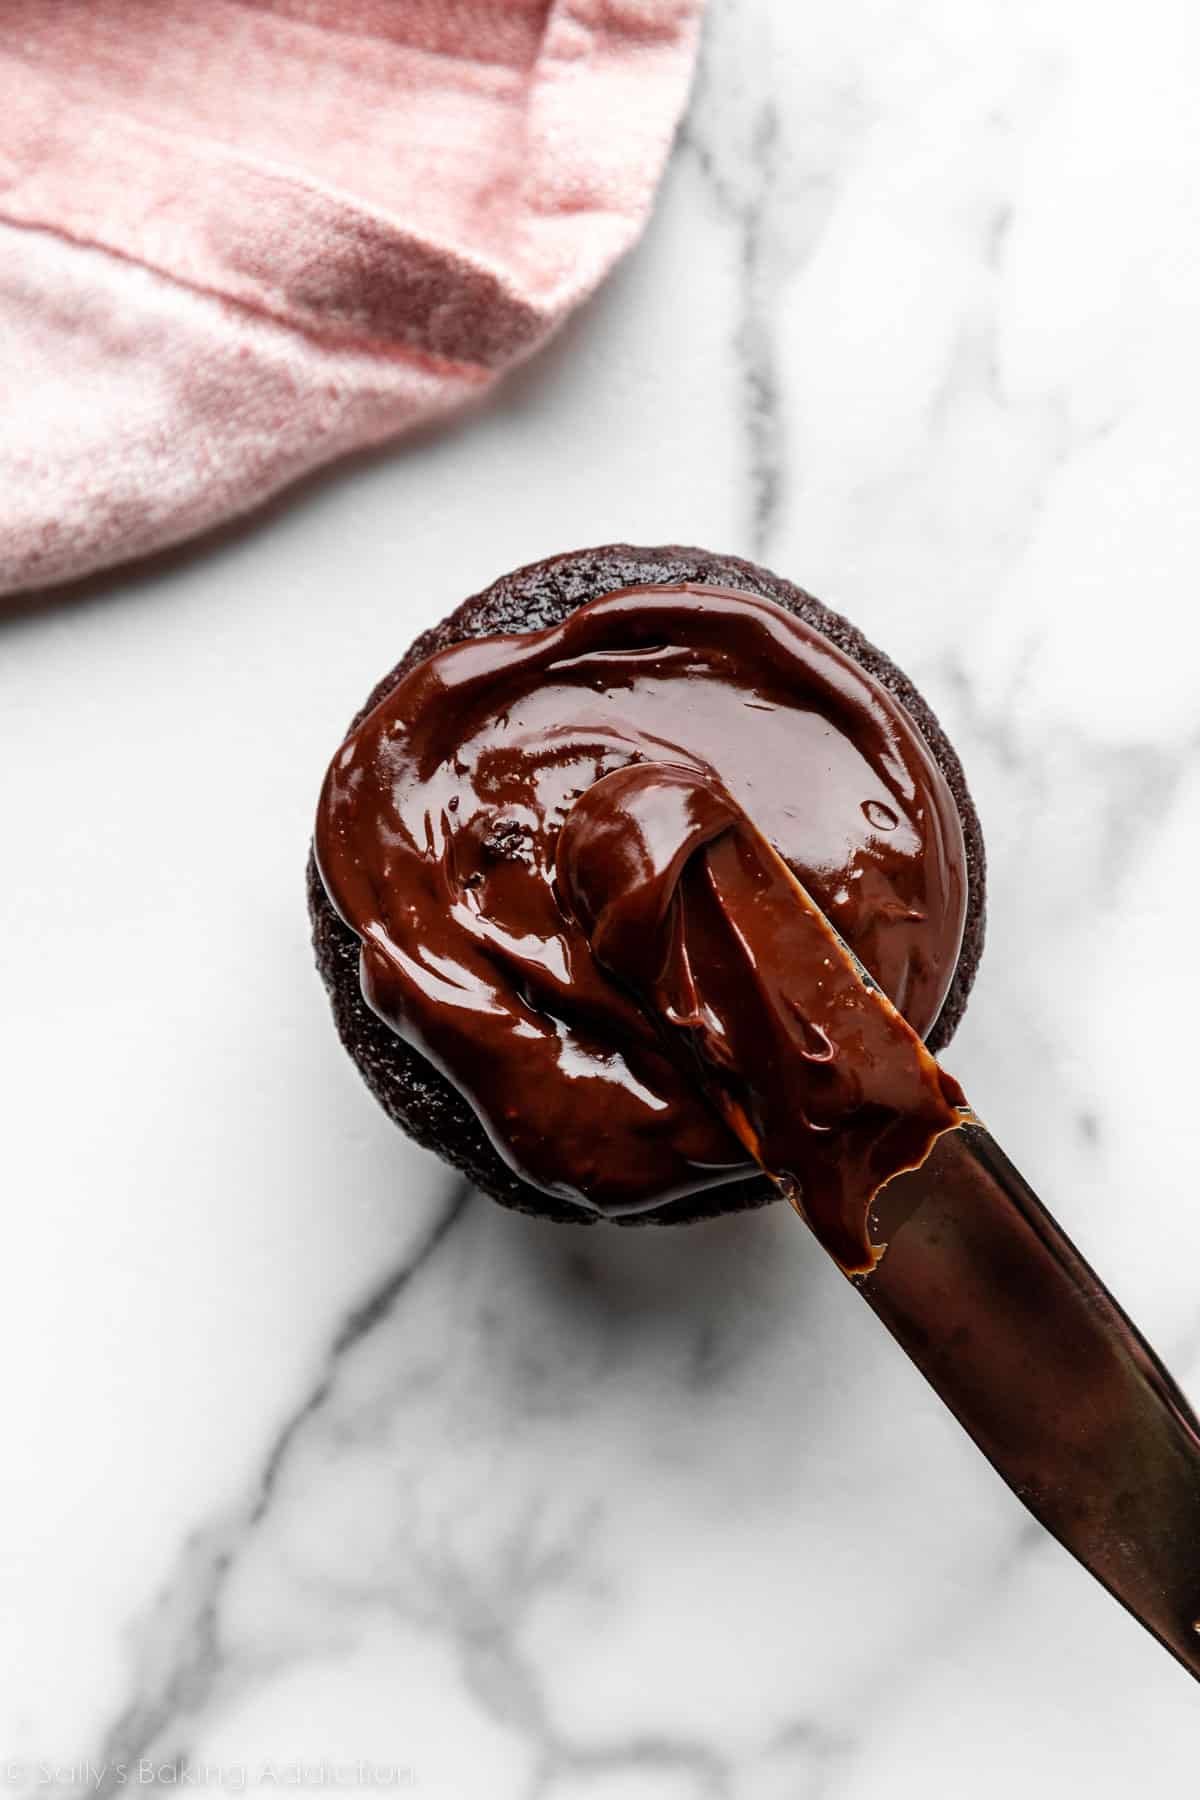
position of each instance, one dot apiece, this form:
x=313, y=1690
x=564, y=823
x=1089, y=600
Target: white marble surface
x=310, y=1458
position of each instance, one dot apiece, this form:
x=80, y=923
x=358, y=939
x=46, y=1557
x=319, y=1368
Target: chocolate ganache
x=437, y=834
x=810, y=1065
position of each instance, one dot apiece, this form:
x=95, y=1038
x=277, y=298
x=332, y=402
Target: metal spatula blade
x=1041, y=1366
x=1044, y=1370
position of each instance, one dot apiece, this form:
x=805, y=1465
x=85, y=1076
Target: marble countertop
x=321, y=1472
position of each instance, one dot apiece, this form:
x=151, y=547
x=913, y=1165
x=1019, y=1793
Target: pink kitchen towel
x=241, y=237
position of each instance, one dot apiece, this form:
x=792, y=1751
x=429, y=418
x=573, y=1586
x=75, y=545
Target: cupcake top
x=439, y=824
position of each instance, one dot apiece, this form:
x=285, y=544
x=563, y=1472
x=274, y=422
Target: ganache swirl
x=437, y=835
x=810, y=1065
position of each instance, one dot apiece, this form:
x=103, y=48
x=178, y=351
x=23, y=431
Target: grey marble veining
x=327, y=1473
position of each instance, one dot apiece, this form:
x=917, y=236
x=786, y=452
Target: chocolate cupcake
x=462, y=985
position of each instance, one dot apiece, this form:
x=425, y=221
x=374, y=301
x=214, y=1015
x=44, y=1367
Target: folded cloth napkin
x=239, y=237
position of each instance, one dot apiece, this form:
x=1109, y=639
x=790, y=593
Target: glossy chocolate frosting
x=437, y=834
x=813, y=1069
